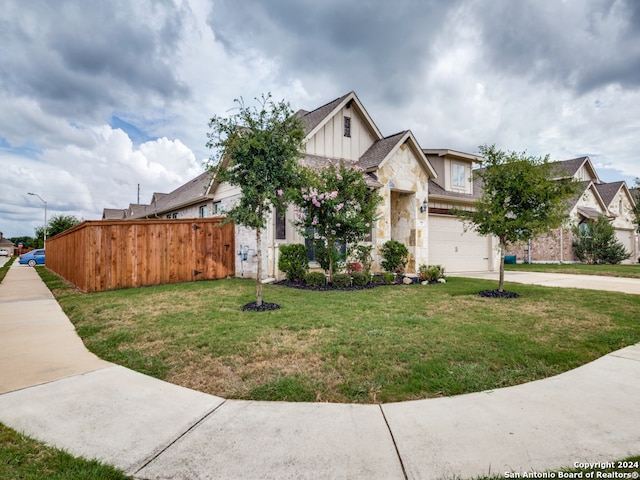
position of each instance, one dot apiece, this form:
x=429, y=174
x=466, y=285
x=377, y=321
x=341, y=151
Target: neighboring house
x=7, y=244
x=612, y=200
x=450, y=244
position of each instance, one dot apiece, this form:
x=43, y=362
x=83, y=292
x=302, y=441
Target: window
x=584, y=229
x=216, y=208
x=203, y=211
x=459, y=176
x=311, y=246
x=347, y=126
x=281, y=224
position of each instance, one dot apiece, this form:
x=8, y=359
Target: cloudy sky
x=97, y=97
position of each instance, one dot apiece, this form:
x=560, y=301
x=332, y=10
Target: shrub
x=326, y=255
x=431, y=273
x=360, y=279
x=596, y=242
x=341, y=280
x=388, y=277
x=354, y=267
x=315, y=279
x=395, y=256
x=293, y=261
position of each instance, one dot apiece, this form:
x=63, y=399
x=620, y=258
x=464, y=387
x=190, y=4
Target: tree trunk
x=259, y=272
x=503, y=248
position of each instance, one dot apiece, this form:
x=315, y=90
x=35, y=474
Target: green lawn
x=632, y=271
x=385, y=344
x=24, y=458
x=5, y=268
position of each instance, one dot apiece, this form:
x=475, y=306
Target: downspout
x=561, y=245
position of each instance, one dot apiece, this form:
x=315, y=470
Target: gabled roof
x=316, y=119
x=589, y=185
x=608, y=191
x=381, y=150
x=572, y=166
x=113, y=214
x=136, y=210
x=192, y=192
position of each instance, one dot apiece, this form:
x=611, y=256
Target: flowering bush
x=337, y=208
x=430, y=273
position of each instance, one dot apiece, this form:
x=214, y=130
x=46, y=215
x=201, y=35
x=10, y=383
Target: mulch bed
x=265, y=307
x=498, y=294
x=374, y=284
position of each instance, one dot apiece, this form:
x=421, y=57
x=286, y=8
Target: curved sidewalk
x=53, y=389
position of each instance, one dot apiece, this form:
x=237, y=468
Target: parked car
x=32, y=258
x=4, y=252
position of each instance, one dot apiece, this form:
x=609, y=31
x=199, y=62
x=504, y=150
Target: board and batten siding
x=329, y=141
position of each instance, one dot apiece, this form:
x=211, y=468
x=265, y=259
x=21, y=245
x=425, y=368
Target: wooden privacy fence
x=106, y=255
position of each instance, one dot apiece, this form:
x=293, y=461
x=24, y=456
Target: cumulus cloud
x=97, y=100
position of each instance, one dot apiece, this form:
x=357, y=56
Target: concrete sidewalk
x=155, y=430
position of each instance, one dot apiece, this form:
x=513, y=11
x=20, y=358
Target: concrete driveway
x=563, y=280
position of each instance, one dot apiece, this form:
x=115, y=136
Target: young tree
x=636, y=207
x=520, y=199
x=257, y=149
x=595, y=242
x=338, y=208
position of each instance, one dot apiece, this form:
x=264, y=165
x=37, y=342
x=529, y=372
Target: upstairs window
x=459, y=176
x=203, y=211
x=347, y=126
x=216, y=208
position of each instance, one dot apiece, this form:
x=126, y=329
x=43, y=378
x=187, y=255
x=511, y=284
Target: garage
x=455, y=249
x=628, y=240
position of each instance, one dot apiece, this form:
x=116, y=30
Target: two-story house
x=595, y=198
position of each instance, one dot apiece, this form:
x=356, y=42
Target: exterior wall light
x=423, y=207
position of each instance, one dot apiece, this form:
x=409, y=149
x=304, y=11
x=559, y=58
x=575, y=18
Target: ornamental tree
x=522, y=196
x=336, y=208
x=257, y=149
x=636, y=208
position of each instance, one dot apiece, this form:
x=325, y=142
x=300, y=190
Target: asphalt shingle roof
x=379, y=151
x=608, y=191
x=313, y=118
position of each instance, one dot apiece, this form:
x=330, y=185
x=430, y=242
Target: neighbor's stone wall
x=554, y=247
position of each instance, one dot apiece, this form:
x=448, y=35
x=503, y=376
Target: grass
x=5, y=268
x=23, y=458
x=386, y=344
x=631, y=271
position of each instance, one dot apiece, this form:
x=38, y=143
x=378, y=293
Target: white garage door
x=627, y=238
x=455, y=249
